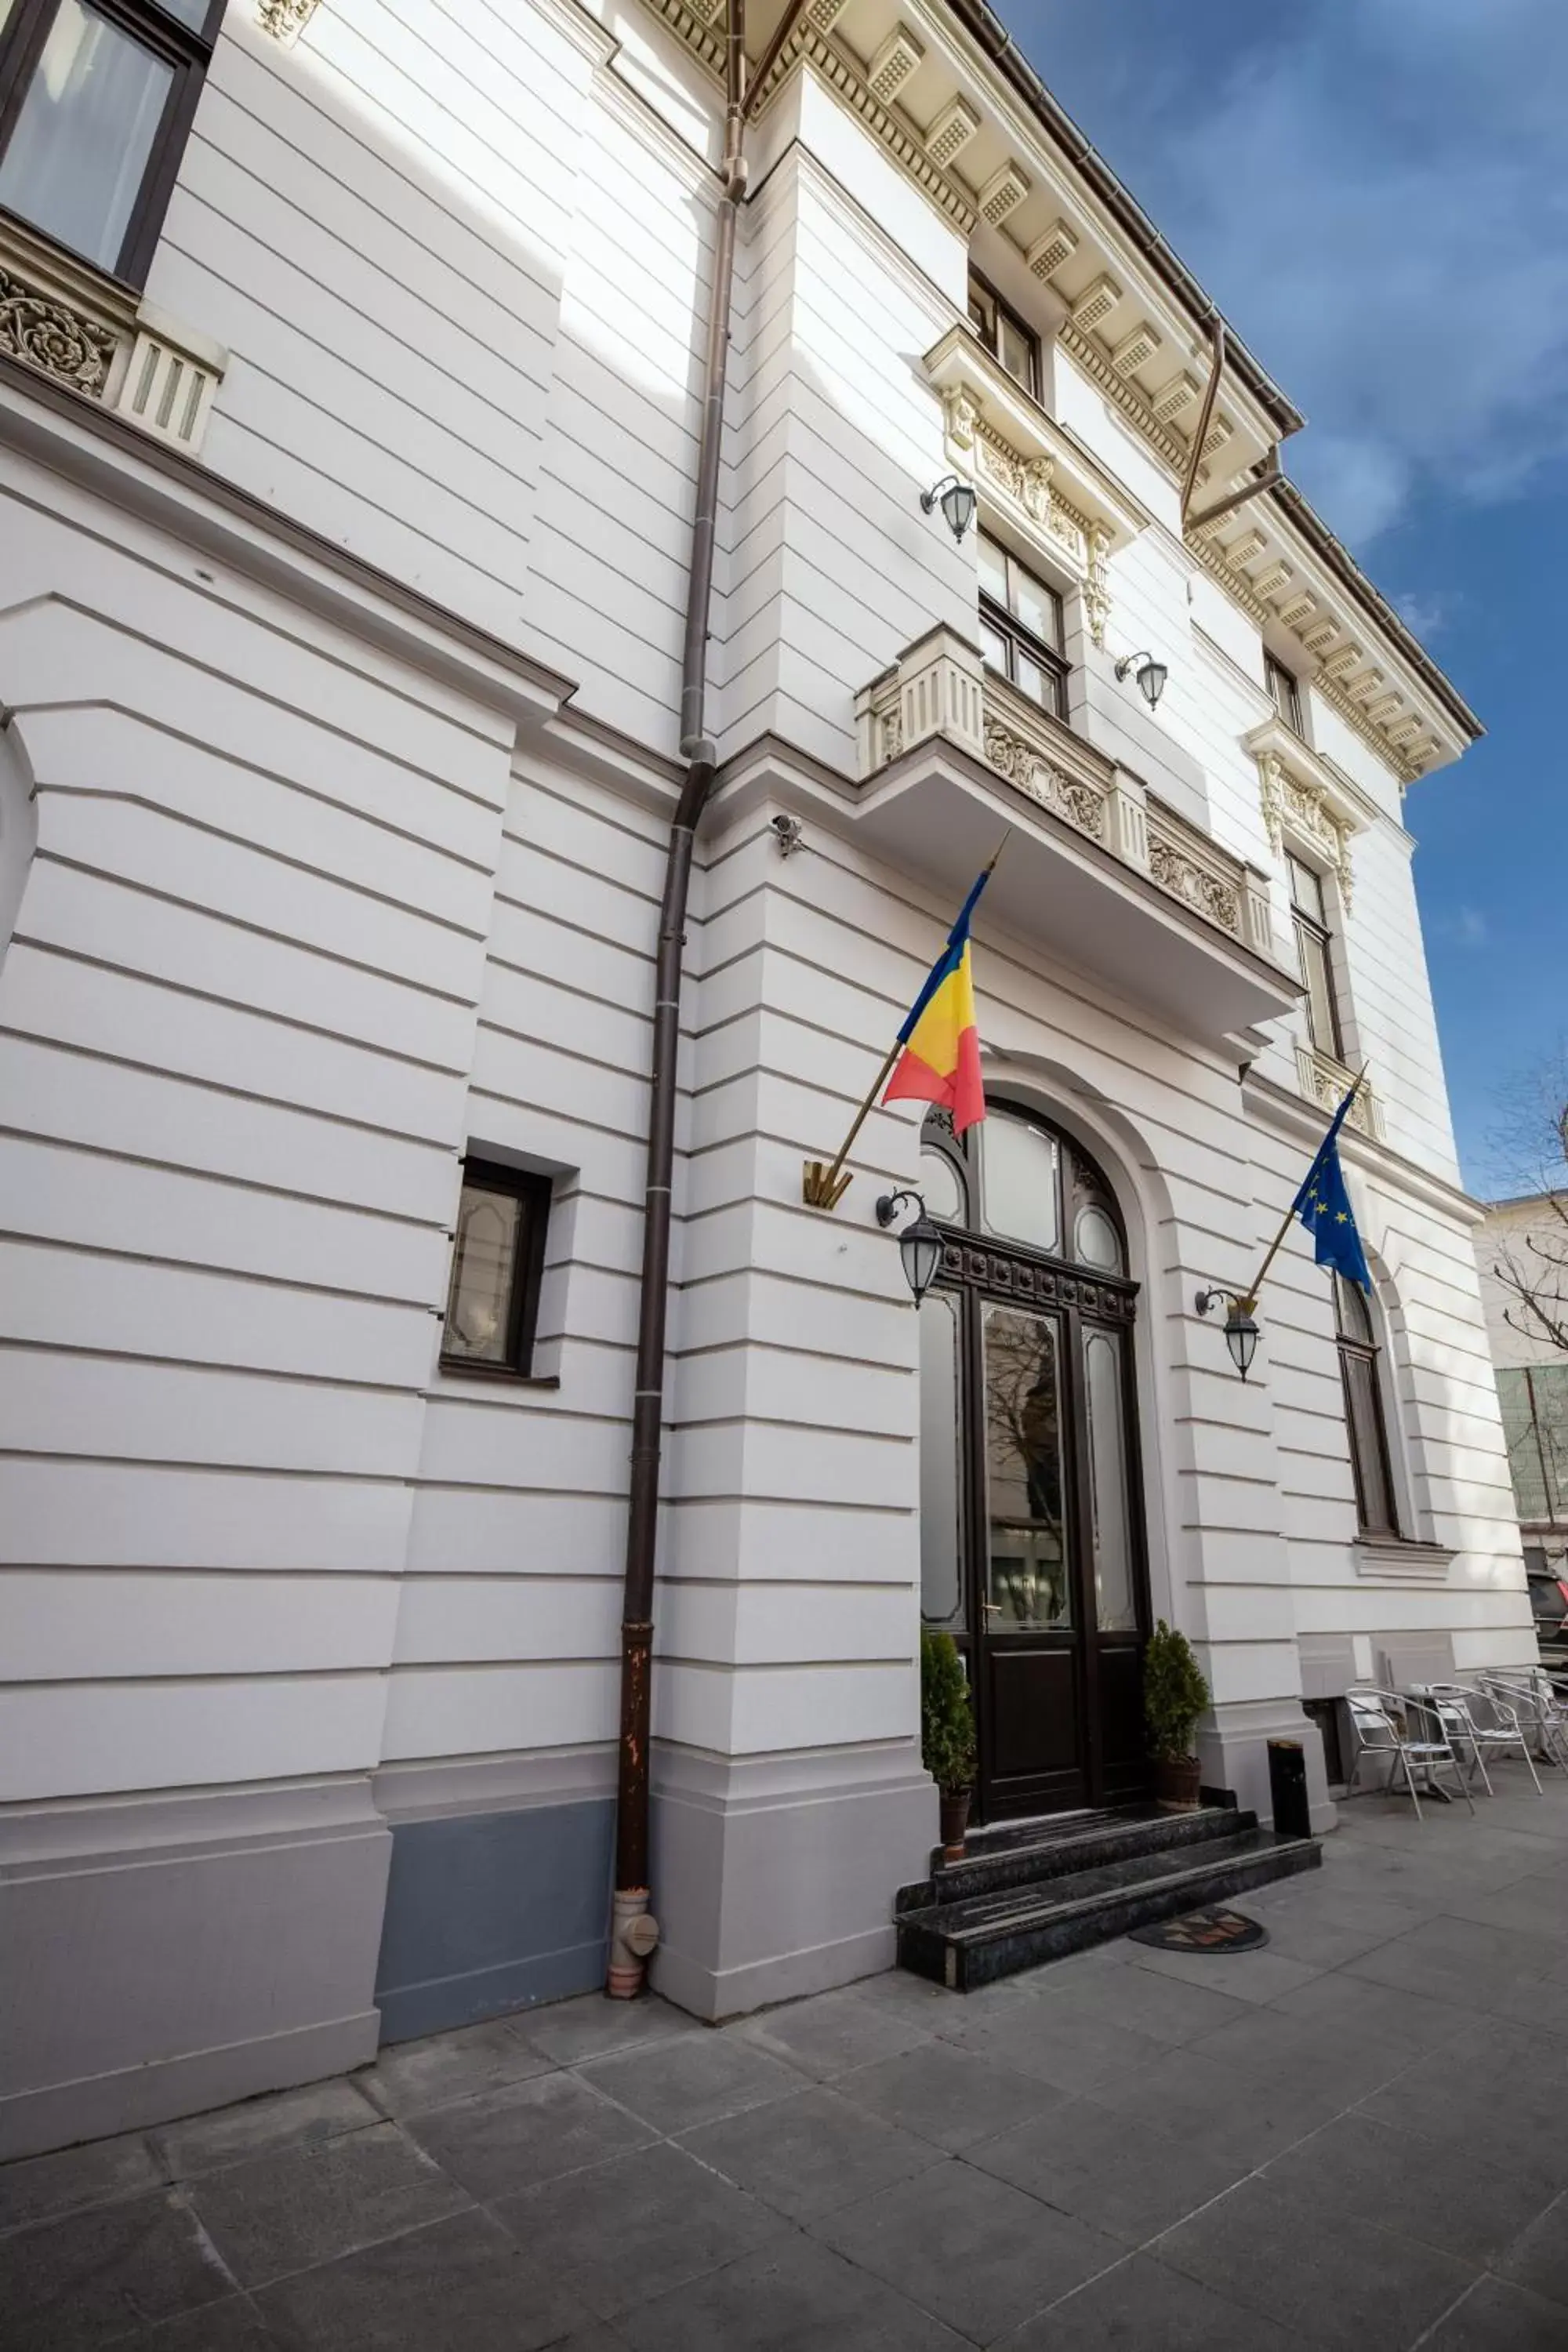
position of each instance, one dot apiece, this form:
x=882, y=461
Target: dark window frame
x=1019, y=639
x=1307, y=924
x=1290, y=708
x=979, y=284
x=534, y=1192
x=1361, y=1363
x=189, y=54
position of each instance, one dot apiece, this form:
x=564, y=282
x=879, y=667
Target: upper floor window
x=95, y=105
x=1283, y=692
x=1021, y=626
x=498, y=1264
x=1310, y=916
x=1360, y=1376
x=1003, y=333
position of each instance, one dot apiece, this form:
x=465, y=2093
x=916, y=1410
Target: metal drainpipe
x=1216, y=338
x=633, y=1931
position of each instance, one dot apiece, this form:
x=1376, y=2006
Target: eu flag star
x=1342, y=1219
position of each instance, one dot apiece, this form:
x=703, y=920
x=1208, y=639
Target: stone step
x=1026, y=1853
x=998, y=1932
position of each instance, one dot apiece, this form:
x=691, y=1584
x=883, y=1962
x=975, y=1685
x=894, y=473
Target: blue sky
x=1376, y=194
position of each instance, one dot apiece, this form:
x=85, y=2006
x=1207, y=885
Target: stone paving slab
x=1357, y=2136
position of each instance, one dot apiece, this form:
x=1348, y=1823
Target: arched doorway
x=1032, y=1551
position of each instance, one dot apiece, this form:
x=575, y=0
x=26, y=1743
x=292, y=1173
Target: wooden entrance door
x=1030, y=1533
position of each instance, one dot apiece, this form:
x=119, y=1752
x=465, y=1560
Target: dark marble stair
x=1034, y=1892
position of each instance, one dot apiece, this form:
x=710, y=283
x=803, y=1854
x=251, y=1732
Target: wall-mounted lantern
x=919, y=1243
x=1150, y=675
x=1241, y=1332
x=957, y=500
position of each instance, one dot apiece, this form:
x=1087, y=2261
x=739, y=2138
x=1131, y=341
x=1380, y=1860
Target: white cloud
x=1467, y=928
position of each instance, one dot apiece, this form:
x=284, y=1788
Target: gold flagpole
x=824, y=1186
x=1249, y=1302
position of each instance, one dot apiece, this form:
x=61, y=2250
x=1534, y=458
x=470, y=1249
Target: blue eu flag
x=1324, y=1208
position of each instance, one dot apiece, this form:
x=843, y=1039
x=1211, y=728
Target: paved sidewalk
x=1356, y=2138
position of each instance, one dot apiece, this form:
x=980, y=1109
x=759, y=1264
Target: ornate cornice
x=1406, y=764
x=1127, y=397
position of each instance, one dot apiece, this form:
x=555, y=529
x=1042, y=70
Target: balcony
x=1100, y=871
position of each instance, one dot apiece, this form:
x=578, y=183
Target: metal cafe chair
x=1484, y=1723
x=1410, y=1734
x=1538, y=1703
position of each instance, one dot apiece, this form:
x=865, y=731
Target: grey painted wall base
x=774, y=1877
x=164, y=1954
x=489, y=1912
x=1233, y=1751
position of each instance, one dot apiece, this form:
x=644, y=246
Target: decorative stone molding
x=285, y=19
x=1003, y=191
x=1326, y=1082
x=51, y=336
x=1136, y=350
x=950, y=132
x=893, y=63
x=1096, y=303
x=1053, y=490
x=1097, y=585
x=1053, y=251
x=1174, y=398
x=88, y=332
x=1303, y=808
x=1018, y=756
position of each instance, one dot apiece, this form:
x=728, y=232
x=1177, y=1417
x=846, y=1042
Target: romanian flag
x=941, y=1060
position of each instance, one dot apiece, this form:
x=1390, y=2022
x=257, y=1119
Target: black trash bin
x=1288, y=1789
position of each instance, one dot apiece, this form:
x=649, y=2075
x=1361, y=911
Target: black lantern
x=1241, y=1333
x=1150, y=674
x=919, y=1243
x=958, y=503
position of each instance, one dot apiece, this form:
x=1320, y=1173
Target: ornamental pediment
x=1002, y=435
x=1304, y=805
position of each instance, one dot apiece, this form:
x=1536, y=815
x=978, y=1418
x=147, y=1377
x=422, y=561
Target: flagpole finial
x=1001, y=845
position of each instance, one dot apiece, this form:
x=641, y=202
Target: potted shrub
x=947, y=1735
x=1174, y=1696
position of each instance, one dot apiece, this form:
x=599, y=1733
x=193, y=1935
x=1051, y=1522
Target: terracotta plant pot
x=1177, y=1784
x=954, y=1822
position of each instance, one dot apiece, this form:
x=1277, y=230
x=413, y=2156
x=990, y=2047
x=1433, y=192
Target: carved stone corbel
x=1097, y=583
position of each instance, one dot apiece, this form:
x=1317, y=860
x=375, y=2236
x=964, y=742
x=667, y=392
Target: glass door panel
x=941, y=1560
x=1028, y=1583
x=1115, y=1595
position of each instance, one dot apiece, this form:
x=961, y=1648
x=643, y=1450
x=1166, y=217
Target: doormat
x=1204, y=1931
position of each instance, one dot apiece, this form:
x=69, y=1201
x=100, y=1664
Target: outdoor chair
x=1481, y=1722
x=1539, y=1703
x=1410, y=1734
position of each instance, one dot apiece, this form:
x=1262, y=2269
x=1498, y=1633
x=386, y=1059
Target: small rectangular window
x=498, y=1264
x=96, y=102
x=1283, y=692
x=1021, y=627
x=1003, y=333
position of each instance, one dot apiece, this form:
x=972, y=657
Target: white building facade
x=349, y=441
